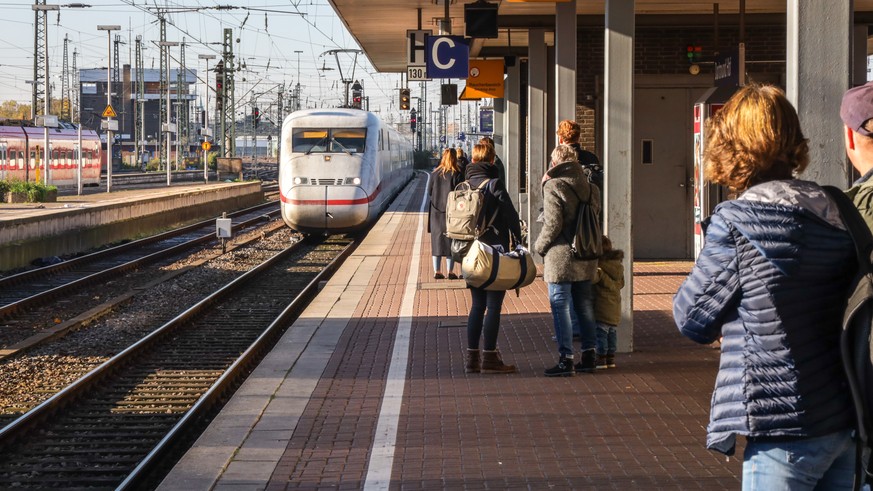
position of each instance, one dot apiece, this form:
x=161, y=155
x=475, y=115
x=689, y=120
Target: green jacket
x=862, y=196
x=608, y=283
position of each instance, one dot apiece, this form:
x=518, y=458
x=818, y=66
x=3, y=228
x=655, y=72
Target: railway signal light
x=404, y=99
x=413, y=120
x=694, y=53
x=219, y=85
x=256, y=116
x=357, y=94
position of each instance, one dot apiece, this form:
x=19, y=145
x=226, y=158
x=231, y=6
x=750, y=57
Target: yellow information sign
x=205, y=146
x=109, y=112
x=485, y=79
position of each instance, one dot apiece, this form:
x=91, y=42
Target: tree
x=14, y=110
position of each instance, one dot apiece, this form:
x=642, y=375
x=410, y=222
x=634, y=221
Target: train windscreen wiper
x=342, y=147
x=319, y=142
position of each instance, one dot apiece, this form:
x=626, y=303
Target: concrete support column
x=511, y=131
x=536, y=148
x=819, y=42
x=618, y=109
x=551, y=103
x=499, y=130
x=565, y=62
x=859, y=54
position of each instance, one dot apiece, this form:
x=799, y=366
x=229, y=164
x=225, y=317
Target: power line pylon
x=139, y=107
x=65, y=84
x=228, y=106
x=39, y=61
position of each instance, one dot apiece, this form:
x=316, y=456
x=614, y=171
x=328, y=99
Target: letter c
x=435, y=54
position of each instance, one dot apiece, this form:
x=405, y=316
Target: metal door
x=663, y=166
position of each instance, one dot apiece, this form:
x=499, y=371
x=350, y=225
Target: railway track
x=113, y=427
x=34, y=287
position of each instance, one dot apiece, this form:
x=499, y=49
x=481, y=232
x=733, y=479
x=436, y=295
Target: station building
x=93, y=87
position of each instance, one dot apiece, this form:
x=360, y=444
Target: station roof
x=379, y=26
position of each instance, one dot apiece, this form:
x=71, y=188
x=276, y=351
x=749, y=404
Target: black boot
x=588, y=363
x=564, y=368
x=472, y=362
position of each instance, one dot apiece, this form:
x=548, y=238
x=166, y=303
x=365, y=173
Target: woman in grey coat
x=569, y=279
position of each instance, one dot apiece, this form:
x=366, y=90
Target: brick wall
x=660, y=51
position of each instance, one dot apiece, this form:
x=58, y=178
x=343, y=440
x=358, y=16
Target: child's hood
x=610, y=263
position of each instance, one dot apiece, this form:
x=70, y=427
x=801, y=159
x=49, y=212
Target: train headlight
x=353, y=180
x=301, y=180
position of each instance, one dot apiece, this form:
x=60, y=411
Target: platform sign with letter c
x=447, y=57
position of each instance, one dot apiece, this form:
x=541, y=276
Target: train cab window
x=348, y=139
x=309, y=140
x=351, y=140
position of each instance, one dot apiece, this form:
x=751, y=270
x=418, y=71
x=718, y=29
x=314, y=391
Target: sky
x=270, y=32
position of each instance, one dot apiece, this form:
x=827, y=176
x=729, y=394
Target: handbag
x=490, y=268
x=459, y=249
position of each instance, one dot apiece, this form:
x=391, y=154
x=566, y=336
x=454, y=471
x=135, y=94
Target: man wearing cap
x=856, y=111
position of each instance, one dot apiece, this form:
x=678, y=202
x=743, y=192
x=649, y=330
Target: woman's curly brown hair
x=755, y=138
x=569, y=131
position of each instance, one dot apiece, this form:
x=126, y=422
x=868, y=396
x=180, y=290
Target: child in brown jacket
x=608, y=283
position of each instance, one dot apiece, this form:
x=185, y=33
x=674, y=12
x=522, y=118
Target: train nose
x=326, y=207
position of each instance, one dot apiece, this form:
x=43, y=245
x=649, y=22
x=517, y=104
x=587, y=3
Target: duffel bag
x=490, y=268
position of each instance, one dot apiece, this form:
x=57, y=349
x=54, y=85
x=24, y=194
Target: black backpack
x=855, y=341
x=587, y=240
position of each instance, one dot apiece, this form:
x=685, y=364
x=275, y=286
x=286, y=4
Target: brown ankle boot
x=473, y=362
x=491, y=363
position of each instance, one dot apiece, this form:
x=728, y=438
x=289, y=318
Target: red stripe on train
x=334, y=202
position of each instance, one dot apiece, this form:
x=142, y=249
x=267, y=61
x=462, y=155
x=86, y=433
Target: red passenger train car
x=22, y=154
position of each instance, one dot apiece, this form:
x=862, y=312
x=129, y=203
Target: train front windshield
x=309, y=140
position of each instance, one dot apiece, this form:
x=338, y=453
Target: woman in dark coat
x=442, y=181
x=484, y=318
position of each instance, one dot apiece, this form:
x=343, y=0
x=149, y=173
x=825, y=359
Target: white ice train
x=339, y=168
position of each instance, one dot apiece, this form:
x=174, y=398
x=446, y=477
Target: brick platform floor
x=638, y=426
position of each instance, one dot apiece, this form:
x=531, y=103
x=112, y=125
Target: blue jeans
x=450, y=264
x=607, y=339
x=576, y=296
x=820, y=463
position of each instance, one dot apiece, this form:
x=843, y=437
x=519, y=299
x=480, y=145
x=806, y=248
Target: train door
x=4, y=160
x=663, y=166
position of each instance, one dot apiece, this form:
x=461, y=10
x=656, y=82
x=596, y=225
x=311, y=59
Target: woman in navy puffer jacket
x=771, y=279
